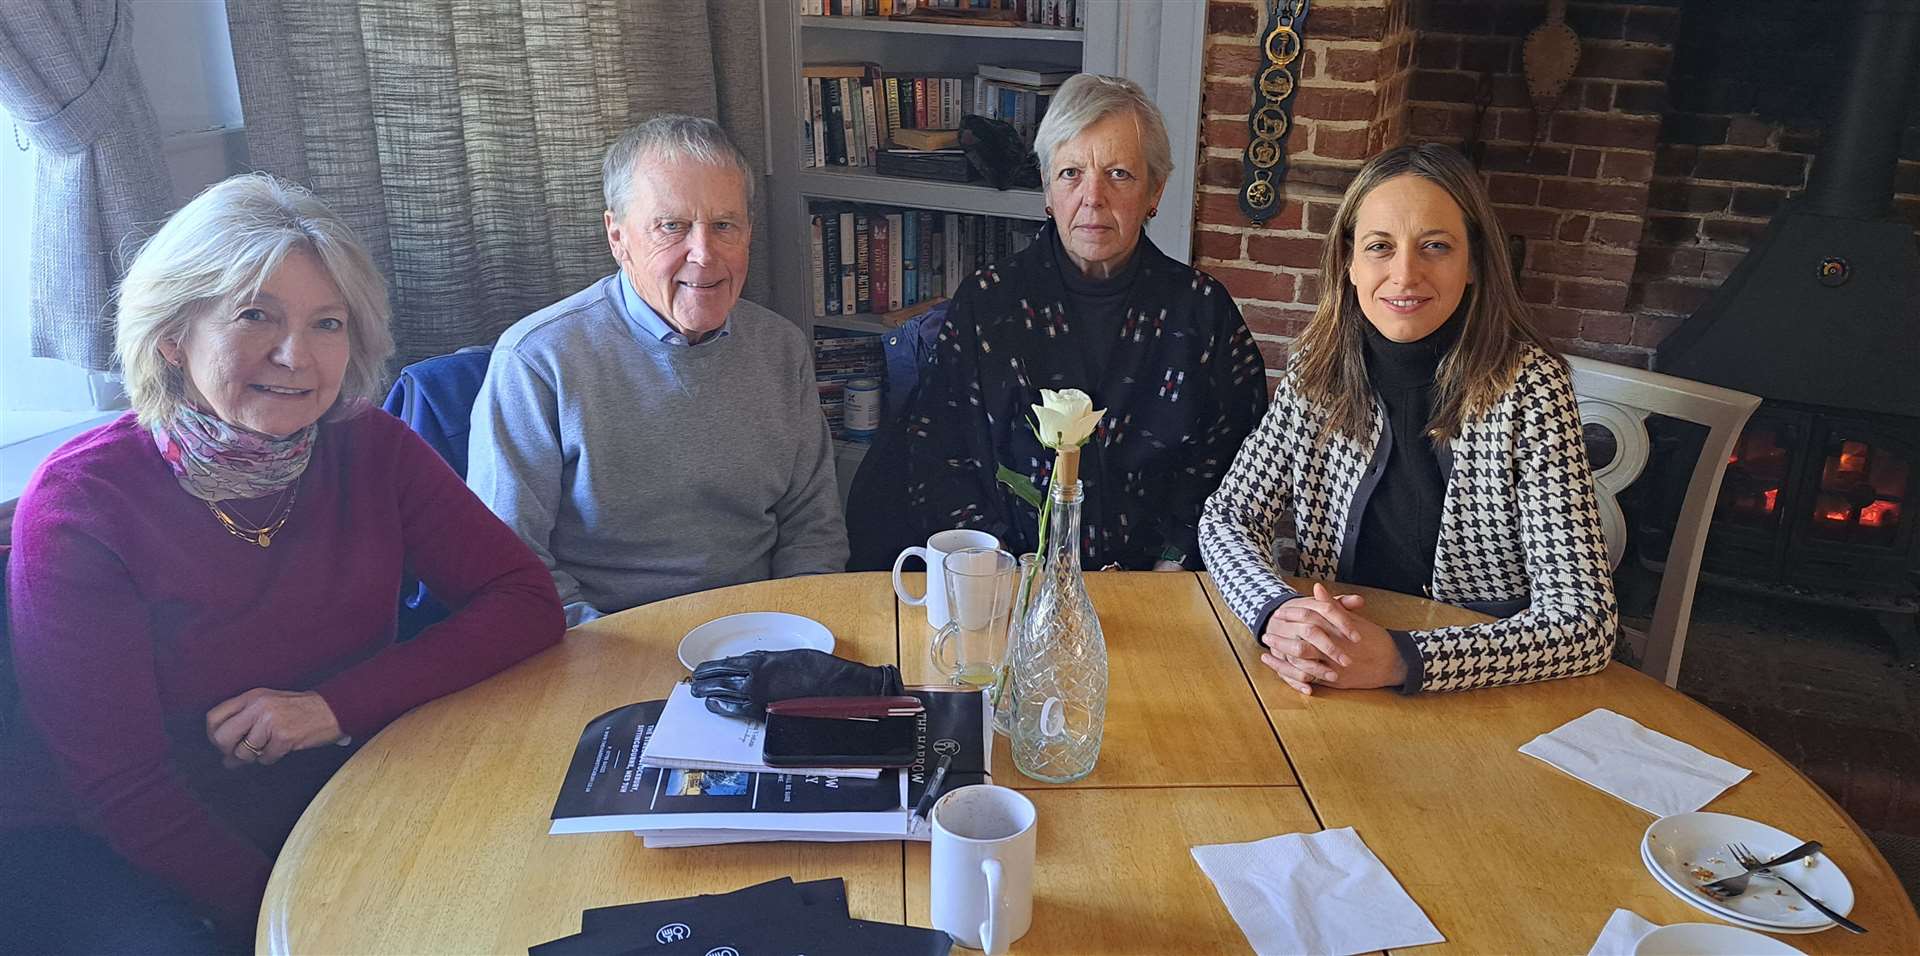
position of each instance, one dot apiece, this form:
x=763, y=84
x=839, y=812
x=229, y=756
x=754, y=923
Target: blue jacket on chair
x=435, y=398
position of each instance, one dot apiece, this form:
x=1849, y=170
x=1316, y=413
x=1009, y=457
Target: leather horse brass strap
x=1270, y=121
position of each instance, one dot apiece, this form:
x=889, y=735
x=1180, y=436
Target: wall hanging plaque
x=1549, y=55
x=1270, y=120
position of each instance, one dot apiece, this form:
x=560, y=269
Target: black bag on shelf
x=997, y=150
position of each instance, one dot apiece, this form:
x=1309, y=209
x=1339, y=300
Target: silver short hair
x=1087, y=98
x=215, y=253
x=669, y=137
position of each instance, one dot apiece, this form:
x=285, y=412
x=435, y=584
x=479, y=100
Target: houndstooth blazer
x=1519, y=527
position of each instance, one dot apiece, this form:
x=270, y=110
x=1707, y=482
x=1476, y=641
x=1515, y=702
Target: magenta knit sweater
x=133, y=612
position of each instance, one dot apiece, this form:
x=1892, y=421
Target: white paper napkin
x=1314, y=893
x=1621, y=934
x=1646, y=768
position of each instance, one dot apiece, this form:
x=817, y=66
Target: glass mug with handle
x=979, y=585
x=934, y=597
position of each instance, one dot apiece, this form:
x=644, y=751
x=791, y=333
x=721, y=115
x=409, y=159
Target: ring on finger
x=256, y=751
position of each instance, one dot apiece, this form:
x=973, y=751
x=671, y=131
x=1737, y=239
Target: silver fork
x=1752, y=862
x=1732, y=886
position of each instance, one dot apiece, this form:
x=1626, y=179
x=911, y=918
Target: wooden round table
x=433, y=838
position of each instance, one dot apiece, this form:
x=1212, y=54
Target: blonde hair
x=1087, y=98
x=214, y=254
x=1331, y=371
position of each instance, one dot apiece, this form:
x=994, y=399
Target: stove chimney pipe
x=1853, y=175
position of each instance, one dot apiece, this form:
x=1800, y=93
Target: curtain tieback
x=101, y=106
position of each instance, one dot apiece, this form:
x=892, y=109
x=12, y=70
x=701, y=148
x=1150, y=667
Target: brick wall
x=1351, y=104
x=1573, y=184
x=1752, y=83
x=1686, y=125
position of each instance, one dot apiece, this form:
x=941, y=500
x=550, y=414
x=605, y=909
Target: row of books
x=879, y=259
x=1020, y=104
x=678, y=775
x=854, y=111
x=841, y=356
x=1053, y=13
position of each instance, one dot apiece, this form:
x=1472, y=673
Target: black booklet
x=776, y=918
x=607, y=786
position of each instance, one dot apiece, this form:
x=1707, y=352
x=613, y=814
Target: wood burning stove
x=1822, y=319
x=1822, y=499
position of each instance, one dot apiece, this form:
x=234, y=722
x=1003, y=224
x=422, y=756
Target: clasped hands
x=263, y=725
x=1324, y=639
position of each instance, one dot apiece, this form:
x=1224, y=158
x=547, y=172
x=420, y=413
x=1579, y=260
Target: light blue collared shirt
x=637, y=311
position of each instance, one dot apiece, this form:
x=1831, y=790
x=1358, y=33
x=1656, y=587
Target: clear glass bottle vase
x=1059, y=670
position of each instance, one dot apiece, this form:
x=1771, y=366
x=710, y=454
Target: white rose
x=1065, y=418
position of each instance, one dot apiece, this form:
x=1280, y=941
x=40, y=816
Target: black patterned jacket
x=1519, y=531
x=1183, y=387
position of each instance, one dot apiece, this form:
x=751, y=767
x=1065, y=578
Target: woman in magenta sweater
x=203, y=593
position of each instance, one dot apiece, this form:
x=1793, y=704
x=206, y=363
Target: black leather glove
x=743, y=686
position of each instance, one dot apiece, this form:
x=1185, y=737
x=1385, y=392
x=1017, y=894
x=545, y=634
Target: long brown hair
x=1331, y=371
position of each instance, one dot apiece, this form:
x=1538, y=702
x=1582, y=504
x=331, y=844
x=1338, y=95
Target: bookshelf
x=889, y=25
x=1158, y=45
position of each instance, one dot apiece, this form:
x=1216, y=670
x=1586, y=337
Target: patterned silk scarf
x=215, y=461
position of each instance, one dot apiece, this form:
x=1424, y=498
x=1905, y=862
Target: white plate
x=1676, y=847
x=1708, y=939
x=753, y=631
x=1701, y=903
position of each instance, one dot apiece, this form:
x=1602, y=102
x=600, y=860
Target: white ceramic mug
x=935, y=555
x=982, y=874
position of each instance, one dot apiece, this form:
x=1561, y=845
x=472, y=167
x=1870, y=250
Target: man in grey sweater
x=652, y=435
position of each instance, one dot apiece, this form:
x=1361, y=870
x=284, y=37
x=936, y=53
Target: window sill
x=20, y=459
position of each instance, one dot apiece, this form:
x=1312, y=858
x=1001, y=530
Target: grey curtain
x=463, y=138
x=67, y=74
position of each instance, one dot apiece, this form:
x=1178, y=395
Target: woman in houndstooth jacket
x=1424, y=439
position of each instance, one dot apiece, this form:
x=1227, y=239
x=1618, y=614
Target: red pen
x=847, y=707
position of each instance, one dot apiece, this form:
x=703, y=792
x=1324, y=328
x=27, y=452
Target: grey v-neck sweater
x=639, y=470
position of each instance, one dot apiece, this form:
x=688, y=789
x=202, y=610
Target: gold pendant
x=1276, y=83
x=1269, y=123
x=1283, y=45
x=1260, y=194
x=1263, y=153
x=263, y=540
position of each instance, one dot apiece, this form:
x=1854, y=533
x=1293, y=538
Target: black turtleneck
x=1099, y=306
x=1401, y=523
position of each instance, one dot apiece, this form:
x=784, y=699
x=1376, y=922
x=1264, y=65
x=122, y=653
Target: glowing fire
x=1879, y=514
x=1853, y=456
x=1773, y=497
x=1840, y=516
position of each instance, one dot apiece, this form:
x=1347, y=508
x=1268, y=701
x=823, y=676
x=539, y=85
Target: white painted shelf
x=863, y=184
x=859, y=322
x=923, y=28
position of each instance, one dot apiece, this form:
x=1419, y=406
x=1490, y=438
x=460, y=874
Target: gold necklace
x=262, y=535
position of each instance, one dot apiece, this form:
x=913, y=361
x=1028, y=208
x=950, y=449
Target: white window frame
x=186, y=62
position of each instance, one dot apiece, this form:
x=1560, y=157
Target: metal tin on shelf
x=862, y=409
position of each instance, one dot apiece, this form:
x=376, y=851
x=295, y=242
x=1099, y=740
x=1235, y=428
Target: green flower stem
x=1026, y=580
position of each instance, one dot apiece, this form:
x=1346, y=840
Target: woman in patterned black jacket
x=1092, y=305
x=1425, y=440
